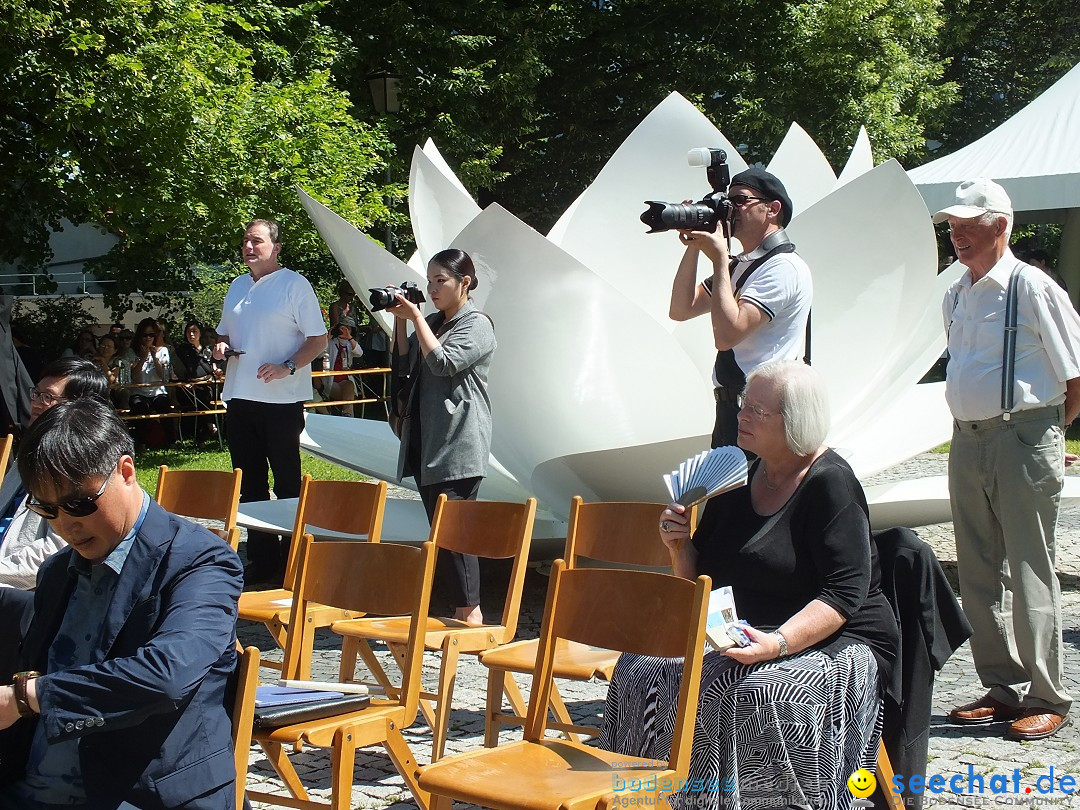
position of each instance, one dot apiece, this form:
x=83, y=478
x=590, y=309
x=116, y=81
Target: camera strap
x=726, y=368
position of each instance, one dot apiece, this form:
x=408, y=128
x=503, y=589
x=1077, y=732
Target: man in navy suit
x=133, y=636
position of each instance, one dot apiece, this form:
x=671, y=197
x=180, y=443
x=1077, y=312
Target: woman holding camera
x=446, y=434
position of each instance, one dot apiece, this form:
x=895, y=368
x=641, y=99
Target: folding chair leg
x=425, y=705
x=500, y=682
x=405, y=762
x=441, y=803
x=562, y=714
x=885, y=776
x=447, y=678
x=279, y=760
x=374, y=666
x=347, y=667
x=342, y=765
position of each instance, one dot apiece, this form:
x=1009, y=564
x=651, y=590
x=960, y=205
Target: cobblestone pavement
x=953, y=750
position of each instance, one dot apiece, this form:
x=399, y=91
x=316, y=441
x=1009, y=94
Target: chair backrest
x=206, y=494
x=385, y=579
x=641, y=612
x=243, y=714
x=5, y=454
x=496, y=530
x=349, y=507
x=619, y=533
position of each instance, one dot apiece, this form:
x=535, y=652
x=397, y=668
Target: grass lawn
x=186, y=456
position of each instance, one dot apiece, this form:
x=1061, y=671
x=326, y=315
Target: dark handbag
x=399, y=403
x=286, y=714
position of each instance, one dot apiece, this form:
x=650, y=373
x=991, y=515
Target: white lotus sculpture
x=594, y=390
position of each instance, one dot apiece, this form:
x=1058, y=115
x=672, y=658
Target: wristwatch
x=783, y=643
x=291, y=366
x=22, y=703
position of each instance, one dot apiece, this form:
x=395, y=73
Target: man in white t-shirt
x=272, y=323
x=759, y=302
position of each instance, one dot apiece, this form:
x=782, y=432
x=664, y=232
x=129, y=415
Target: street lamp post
x=384, y=97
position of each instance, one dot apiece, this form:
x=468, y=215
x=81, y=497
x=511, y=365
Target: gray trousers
x=1005, y=480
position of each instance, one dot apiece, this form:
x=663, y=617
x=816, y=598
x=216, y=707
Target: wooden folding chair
x=379, y=578
x=5, y=454
x=638, y=612
x=491, y=529
x=205, y=494
x=243, y=712
x=348, y=507
x=614, y=534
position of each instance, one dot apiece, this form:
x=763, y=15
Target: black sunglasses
x=76, y=507
x=743, y=199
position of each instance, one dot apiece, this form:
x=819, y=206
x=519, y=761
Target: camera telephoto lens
x=662, y=216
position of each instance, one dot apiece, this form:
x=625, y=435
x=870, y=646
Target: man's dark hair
x=271, y=226
x=84, y=378
x=72, y=443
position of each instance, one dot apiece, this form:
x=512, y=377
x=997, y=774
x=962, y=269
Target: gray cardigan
x=454, y=407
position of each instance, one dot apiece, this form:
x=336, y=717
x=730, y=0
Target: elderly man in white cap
x=1013, y=384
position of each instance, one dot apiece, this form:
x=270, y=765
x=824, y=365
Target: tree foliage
x=528, y=99
x=171, y=124
x=1002, y=56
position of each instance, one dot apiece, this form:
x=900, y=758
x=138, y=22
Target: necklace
x=769, y=485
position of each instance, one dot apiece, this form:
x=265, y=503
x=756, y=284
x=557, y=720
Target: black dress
x=796, y=727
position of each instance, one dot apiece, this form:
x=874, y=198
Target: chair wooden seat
x=544, y=774
x=573, y=661
x=395, y=630
x=491, y=529
x=349, y=507
x=638, y=612
x=386, y=579
x=320, y=733
x=608, y=534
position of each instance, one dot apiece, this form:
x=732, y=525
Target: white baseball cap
x=974, y=198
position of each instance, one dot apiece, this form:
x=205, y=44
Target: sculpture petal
x=860, y=161
x=602, y=229
x=439, y=206
x=802, y=168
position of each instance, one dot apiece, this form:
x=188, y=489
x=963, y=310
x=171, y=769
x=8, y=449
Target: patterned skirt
x=781, y=734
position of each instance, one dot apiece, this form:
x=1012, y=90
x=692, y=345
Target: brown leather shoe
x=1036, y=724
x=984, y=710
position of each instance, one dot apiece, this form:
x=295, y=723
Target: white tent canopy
x=1035, y=155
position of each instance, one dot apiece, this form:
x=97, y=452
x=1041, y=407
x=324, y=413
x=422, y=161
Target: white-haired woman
x=793, y=714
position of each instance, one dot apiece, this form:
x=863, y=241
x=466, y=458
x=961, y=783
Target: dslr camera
x=383, y=297
x=703, y=215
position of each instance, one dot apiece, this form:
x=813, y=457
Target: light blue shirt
x=53, y=772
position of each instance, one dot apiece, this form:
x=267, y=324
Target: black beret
x=769, y=186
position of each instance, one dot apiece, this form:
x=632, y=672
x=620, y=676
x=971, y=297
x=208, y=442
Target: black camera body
x=383, y=297
x=714, y=209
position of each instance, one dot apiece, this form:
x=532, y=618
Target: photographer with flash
x=759, y=300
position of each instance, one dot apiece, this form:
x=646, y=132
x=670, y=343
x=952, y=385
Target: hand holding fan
x=706, y=474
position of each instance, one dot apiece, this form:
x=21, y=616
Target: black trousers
x=458, y=574
x=726, y=427
x=265, y=436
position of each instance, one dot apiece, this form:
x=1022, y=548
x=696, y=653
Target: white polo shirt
x=782, y=289
x=268, y=320
x=1047, y=341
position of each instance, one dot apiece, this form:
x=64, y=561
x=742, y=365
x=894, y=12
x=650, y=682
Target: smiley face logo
x=861, y=783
